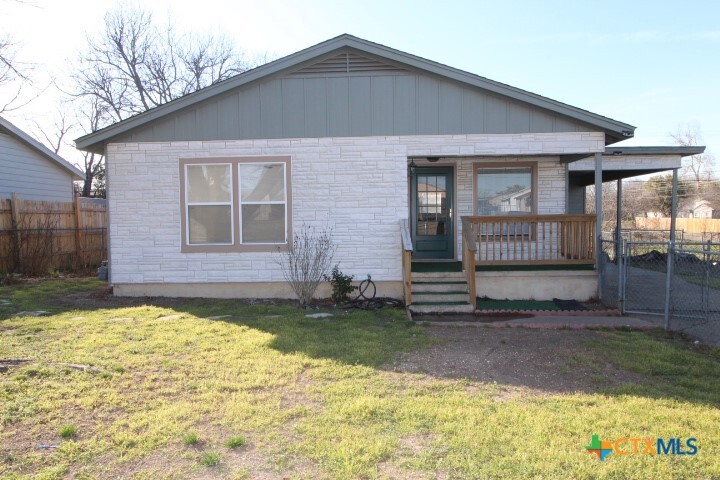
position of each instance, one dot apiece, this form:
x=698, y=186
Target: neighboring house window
x=235, y=204
x=505, y=190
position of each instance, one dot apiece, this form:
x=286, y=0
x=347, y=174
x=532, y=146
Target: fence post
x=78, y=226
x=15, y=222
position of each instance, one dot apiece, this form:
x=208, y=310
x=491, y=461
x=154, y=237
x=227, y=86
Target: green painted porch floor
x=436, y=267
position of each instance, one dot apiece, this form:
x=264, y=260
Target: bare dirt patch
x=522, y=360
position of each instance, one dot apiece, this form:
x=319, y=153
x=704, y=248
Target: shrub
x=308, y=261
x=341, y=285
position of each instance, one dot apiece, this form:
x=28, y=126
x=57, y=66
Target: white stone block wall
x=356, y=185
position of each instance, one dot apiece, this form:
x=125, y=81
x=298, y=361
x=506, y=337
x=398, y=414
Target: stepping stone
x=5, y=303
x=272, y=316
x=32, y=313
x=319, y=315
x=77, y=318
x=170, y=317
x=219, y=317
x=120, y=319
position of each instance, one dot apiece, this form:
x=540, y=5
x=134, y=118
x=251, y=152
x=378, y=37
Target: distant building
x=31, y=170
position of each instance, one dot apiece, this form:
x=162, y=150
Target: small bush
x=308, y=261
x=210, y=459
x=191, y=439
x=235, y=442
x=68, y=431
x=341, y=285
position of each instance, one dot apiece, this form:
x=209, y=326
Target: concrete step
x=439, y=287
x=435, y=276
x=463, y=307
x=439, y=297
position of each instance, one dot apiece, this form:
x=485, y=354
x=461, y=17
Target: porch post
x=618, y=227
x=598, y=214
x=671, y=247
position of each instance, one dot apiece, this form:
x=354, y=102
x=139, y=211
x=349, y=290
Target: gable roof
x=7, y=127
x=614, y=129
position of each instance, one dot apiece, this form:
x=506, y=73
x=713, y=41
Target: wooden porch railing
x=469, y=249
x=531, y=239
x=407, y=249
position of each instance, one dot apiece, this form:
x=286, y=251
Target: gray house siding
x=365, y=103
x=30, y=175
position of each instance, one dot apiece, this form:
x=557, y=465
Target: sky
x=652, y=64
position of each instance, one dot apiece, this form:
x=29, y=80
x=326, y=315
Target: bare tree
x=14, y=77
x=134, y=65
x=698, y=167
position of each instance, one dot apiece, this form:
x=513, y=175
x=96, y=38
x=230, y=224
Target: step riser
x=440, y=298
x=438, y=287
x=438, y=276
x=441, y=308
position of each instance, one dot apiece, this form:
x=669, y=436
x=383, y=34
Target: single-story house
x=31, y=170
x=698, y=208
x=402, y=156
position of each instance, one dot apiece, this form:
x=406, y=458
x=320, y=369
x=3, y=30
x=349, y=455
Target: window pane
x=209, y=183
x=263, y=223
x=504, y=191
x=262, y=182
x=210, y=224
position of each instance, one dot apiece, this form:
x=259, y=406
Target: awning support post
x=599, y=216
x=671, y=247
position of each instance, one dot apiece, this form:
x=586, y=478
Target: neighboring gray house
x=31, y=170
x=397, y=153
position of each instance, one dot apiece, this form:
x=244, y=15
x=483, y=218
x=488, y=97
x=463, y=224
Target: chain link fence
x=695, y=291
x=681, y=284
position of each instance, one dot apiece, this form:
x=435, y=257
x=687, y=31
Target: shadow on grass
x=657, y=365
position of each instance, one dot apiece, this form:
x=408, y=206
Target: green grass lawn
x=265, y=392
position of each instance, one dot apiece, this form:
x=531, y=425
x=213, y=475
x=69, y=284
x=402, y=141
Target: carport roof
x=666, y=158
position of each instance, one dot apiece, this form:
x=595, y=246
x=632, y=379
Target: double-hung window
x=208, y=203
x=235, y=204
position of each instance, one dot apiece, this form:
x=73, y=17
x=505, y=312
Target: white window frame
x=188, y=204
x=284, y=202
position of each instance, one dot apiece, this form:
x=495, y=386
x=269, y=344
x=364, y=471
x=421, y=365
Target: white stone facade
x=358, y=186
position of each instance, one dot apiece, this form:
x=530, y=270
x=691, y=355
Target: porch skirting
x=392, y=289
x=578, y=285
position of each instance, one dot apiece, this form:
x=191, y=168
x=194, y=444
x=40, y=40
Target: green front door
x=431, y=213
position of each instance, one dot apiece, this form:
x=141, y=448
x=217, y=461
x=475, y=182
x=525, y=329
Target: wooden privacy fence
x=689, y=225
x=38, y=236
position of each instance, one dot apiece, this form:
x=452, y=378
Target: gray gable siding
x=369, y=103
x=30, y=175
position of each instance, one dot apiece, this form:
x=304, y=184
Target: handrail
x=405, y=235
x=407, y=249
x=469, y=248
x=531, y=239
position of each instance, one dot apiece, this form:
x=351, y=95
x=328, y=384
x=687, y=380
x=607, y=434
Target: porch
x=530, y=255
